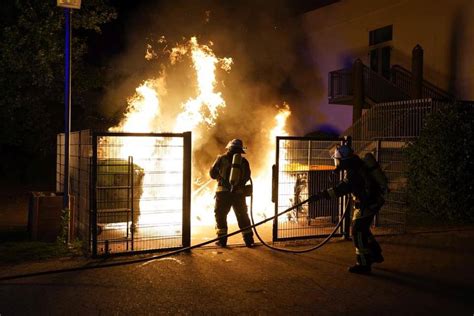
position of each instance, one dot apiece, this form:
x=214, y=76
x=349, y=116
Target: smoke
x=270, y=66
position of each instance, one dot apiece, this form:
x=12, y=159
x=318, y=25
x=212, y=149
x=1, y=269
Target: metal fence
x=132, y=192
x=304, y=167
x=389, y=154
x=80, y=153
x=394, y=120
x=385, y=130
x=393, y=215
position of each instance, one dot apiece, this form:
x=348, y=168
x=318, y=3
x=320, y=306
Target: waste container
x=44, y=215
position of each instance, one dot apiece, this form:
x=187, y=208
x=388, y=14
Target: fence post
x=187, y=143
x=93, y=196
x=417, y=71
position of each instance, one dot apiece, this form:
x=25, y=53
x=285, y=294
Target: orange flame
x=144, y=114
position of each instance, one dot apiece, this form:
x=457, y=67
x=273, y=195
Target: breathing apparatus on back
x=236, y=147
x=344, y=152
x=376, y=172
x=235, y=171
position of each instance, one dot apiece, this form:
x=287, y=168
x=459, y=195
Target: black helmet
x=236, y=145
x=342, y=153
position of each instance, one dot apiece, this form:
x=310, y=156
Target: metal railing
x=393, y=120
x=340, y=84
x=379, y=89
x=376, y=87
x=402, y=78
x=385, y=130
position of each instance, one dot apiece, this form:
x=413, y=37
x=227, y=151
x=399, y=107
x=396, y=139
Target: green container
x=119, y=189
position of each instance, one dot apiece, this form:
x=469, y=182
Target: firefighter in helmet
x=367, y=196
x=232, y=171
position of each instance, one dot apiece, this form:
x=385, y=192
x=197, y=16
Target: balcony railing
x=340, y=84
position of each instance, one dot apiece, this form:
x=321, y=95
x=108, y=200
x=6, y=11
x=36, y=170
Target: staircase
x=377, y=89
x=396, y=112
x=402, y=78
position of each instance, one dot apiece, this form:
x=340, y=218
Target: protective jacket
x=228, y=196
x=367, y=194
x=368, y=199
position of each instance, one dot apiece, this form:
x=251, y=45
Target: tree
x=32, y=73
x=440, y=182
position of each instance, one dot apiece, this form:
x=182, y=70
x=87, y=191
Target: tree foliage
x=32, y=71
x=440, y=181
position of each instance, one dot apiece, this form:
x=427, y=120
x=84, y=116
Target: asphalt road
x=424, y=274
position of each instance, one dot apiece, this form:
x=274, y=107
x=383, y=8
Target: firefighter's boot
x=360, y=269
x=375, y=250
x=249, y=242
x=221, y=233
x=221, y=243
x=377, y=258
x=363, y=264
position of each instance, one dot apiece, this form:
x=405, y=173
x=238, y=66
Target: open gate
x=140, y=192
x=303, y=167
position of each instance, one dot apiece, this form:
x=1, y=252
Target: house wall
x=339, y=33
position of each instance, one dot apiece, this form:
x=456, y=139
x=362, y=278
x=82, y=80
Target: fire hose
x=185, y=249
x=322, y=243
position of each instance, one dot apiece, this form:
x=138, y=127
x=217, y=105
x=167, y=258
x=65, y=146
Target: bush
x=440, y=166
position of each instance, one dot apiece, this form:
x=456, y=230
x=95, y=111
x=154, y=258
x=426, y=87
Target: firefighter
x=232, y=172
x=367, y=196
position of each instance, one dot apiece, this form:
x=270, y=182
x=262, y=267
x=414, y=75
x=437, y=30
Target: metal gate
x=140, y=192
x=304, y=167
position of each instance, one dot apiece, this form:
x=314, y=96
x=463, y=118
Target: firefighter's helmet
x=341, y=153
x=236, y=145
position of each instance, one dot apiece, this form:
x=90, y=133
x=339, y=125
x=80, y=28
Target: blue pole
x=67, y=104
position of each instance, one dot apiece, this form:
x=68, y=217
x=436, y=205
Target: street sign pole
x=67, y=104
x=68, y=6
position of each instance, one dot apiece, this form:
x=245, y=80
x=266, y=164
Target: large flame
x=145, y=114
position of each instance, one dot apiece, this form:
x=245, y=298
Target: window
x=380, y=52
x=383, y=34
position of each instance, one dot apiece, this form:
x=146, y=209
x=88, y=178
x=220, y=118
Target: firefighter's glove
x=319, y=196
x=314, y=198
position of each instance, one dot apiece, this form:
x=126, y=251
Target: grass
x=15, y=248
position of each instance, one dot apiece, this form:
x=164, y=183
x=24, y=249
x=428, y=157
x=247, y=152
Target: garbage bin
x=44, y=216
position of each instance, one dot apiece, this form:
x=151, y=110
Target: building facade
x=383, y=33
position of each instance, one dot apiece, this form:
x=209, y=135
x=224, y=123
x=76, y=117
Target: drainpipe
x=417, y=71
x=358, y=89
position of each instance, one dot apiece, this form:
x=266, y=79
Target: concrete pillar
x=358, y=89
x=417, y=71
